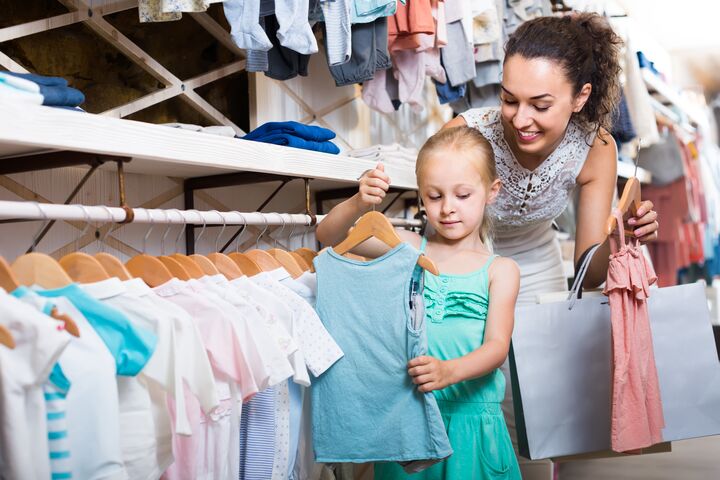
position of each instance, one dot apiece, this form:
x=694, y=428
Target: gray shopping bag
x=561, y=366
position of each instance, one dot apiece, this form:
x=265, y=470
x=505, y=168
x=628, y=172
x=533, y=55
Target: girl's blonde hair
x=468, y=140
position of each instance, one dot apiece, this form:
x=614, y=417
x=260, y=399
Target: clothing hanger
x=151, y=270
x=224, y=264
x=112, y=265
x=307, y=254
x=629, y=201
x=264, y=261
x=286, y=260
x=202, y=261
x=304, y=265
x=81, y=267
x=243, y=262
x=6, y=337
x=38, y=268
x=8, y=282
x=188, y=269
x=375, y=224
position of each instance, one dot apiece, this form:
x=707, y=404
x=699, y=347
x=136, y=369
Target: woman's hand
x=645, y=224
x=373, y=187
x=429, y=373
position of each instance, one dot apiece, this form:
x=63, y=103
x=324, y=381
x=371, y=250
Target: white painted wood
x=213, y=75
x=161, y=150
x=210, y=112
x=11, y=64
x=144, y=102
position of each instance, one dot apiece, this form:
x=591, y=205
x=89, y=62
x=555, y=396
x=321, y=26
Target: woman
x=550, y=138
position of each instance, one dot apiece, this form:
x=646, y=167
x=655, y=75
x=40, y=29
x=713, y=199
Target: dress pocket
x=496, y=453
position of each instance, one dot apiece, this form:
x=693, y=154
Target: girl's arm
x=334, y=227
x=597, y=181
x=433, y=374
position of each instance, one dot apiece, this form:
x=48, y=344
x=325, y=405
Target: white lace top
x=529, y=198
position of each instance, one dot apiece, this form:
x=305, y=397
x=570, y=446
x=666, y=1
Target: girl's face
x=454, y=193
x=537, y=103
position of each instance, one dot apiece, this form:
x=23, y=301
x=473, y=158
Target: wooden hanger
x=151, y=270
x=113, y=266
x=191, y=268
x=225, y=265
x=628, y=205
x=40, y=269
x=248, y=266
x=307, y=254
x=263, y=259
x=301, y=261
x=287, y=261
x=205, y=264
x=8, y=282
x=6, y=337
x=375, y=224
x=175, y=268
x=83, y=268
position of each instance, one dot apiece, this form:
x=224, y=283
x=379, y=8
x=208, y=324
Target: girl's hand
x=645, y=225
x=373, y=187
x=429, y=373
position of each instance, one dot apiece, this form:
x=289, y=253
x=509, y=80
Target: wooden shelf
x=160, y=150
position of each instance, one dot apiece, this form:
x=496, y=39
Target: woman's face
x=537, y=103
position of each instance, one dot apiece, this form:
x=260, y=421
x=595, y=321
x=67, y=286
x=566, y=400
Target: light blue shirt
x=365, y=408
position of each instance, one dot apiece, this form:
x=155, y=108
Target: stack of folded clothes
x=294, y=134
x=392, y=154
x=14, y=89
x=51, y=91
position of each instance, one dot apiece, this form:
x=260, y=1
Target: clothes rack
x=100, y=213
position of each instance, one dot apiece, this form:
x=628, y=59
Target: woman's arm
x=433, y=374
x=597, y=181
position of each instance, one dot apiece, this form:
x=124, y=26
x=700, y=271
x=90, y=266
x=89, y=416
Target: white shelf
x=666, y=95
x=160, y=150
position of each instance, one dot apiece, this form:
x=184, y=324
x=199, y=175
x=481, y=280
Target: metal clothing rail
x=101, y=213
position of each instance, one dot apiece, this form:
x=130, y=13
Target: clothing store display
x=338, y=31
x=637, y=416
x=170, y=10
x=39, y=344
x=622, y=127
x=54, y=90
x=401, y=424
x=294, y=134
x=457, y=308
x=13, y=89
x=641, y=111
x=369, y=54
x=218, y=130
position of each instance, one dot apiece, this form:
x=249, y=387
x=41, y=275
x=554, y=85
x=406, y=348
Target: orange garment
x=410, y=20
x=637, y=416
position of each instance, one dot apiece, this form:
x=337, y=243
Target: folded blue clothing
x=297, y=142
x=295, y=129
x=61, y=96
x=41, y=79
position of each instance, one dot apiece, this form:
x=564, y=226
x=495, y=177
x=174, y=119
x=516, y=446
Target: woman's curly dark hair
x=587, y=48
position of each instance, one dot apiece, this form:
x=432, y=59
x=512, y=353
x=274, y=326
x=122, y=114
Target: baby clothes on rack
x=24, y=450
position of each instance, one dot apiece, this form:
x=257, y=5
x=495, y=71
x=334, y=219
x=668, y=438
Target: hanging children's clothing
x=24, y=436
x=366, y=408
x=637, y=416
x=457, y=307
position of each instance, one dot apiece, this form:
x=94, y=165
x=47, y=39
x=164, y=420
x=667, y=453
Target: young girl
x=468, y=336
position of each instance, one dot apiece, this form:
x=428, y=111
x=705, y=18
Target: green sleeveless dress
x=456, y=310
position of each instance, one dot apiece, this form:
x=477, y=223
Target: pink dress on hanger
x=637, y=416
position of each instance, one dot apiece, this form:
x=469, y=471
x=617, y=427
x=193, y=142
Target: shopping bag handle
x=576, y=289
